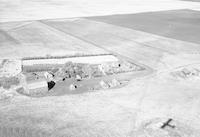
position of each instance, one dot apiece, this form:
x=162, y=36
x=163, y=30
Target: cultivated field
x=142, y=47
x=32, y=39
x=20, y=10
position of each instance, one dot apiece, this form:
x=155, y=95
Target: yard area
x=157, y=96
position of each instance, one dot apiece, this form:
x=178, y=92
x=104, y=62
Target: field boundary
x=65, y=56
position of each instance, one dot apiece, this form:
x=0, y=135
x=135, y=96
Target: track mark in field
x=21, y=132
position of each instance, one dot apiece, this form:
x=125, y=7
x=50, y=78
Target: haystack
x=72, y=87
x=103, y=84
x=78, y=78
x=115, y=83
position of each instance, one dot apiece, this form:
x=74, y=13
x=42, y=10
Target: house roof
x=37, y=84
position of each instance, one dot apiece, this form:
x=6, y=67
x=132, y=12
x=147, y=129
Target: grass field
x=135, y=110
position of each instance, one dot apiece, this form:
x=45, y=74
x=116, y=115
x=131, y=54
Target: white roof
x=37, y=84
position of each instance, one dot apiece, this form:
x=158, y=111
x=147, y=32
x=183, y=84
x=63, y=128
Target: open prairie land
x=161, y=35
